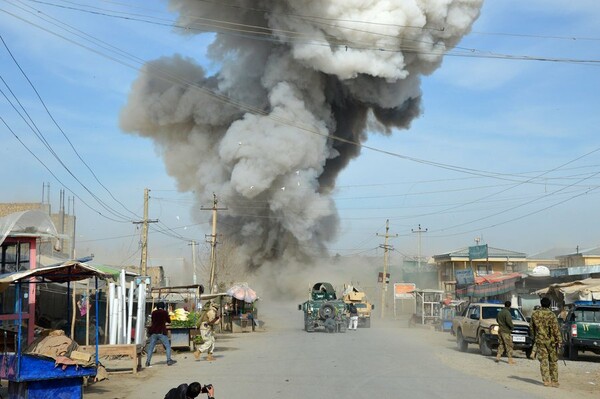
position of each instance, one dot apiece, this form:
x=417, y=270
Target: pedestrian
x=158, y=332
x=208, y=317
x=562, y=316
x=353, y=316
x=548, y=341
x=505, y=327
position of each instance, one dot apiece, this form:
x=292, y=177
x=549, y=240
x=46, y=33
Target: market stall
x=240, y=313
x=182, y=303
x=31, y=375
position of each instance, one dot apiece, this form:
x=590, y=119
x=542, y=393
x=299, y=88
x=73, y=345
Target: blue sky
x=529, y=123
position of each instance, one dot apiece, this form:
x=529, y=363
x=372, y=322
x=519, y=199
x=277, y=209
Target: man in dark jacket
x=158, y=332
x=353, y=316
x=505, y=325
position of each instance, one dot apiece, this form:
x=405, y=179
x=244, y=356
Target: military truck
x=359, y=299
x=581, y=330
x=321, y=305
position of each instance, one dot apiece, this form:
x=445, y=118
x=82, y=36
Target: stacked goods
x=181, y=318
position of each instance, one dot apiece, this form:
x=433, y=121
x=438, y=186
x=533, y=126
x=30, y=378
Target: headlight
x=494, y=329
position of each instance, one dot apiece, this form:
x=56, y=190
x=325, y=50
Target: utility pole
x=419, y=231
x=213, y=241
x=193, y=244
x=386, y=248
x=144, y=223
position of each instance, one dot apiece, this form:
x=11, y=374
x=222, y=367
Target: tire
x=460, y=342
x=367, y=322
x=484, y=348
x=308, y=326
x=327, y=310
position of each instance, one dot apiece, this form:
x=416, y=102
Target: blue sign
x=478, y=252
x=464, y=277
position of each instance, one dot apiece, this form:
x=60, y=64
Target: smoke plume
x=297, y=85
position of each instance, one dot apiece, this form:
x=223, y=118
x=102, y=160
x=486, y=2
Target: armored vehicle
x=363, y=306
x=581, y=330
x=321, y=305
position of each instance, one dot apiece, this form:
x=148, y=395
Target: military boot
x=197, y=354
x=210, y=357
x=497, y=358
x=511, y=361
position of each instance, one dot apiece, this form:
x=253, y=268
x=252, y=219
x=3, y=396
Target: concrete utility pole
x=419, y=231
x=385, y=247
x=193, y=244
x=144, y=223
x=213, y=241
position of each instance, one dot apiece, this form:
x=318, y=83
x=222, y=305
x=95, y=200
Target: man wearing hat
x=208, y=318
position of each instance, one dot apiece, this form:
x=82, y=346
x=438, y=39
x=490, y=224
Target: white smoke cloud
x=293, y=73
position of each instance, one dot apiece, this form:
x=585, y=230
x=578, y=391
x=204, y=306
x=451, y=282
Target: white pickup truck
x=477, y=325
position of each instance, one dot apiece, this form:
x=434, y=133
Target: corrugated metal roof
x=492, y=253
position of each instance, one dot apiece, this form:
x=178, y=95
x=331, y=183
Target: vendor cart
x=32, y=376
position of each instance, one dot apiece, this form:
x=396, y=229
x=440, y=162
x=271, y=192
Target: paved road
x=384, y=361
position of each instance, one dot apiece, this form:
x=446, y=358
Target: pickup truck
x=477, y=325
x=581, y=330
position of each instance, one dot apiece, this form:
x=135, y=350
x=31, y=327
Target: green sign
x=478, y=252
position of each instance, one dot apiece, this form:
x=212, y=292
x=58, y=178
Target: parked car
x=477, y=325
x=581, y=330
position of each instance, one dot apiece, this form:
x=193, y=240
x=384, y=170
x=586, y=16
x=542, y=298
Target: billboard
x=403, y=290
x=464, y=277
x=478, y=252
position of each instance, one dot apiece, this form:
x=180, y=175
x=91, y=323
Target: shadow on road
x=529, y=380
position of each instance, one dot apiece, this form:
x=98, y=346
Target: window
x=15, y=257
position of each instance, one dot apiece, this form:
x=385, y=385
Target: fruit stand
x=182, y=304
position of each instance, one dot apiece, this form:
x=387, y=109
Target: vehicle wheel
x=367, y=323
x=460, y=342
x=308, y=327
x=528, y=352
x=573, y=353
x=327, y=310
x=484, y=348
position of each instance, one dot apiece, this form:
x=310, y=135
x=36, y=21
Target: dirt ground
x=579, y=379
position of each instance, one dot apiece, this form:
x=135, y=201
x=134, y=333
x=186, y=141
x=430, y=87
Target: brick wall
x=8, y=208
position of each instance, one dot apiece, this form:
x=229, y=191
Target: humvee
x=364, y=307
x=323, y=304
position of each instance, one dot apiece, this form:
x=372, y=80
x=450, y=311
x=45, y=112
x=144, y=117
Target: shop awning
x=68, y=271
x=491, y=285
x=573, y=291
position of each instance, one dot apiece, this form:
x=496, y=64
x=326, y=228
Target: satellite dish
x=540, y=271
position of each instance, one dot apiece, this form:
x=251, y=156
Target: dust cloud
x=300, y=84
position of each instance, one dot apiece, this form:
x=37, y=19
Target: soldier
x=546, y=333
x=506, y=326
x=208, y=317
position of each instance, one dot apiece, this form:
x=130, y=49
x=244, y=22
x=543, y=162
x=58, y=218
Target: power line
x=58, y=126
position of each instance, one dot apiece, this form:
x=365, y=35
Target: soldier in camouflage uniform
x=506, y=326
x=546, y=333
